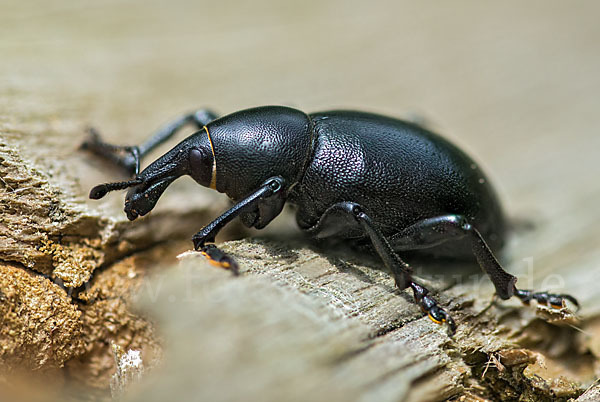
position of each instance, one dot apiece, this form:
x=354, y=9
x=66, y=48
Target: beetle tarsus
x=428, y=304
x=218, y=258
x=545, y=298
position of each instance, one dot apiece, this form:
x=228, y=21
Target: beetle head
x=192, y=156
x=142, y=198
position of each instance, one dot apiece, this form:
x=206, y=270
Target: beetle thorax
x=253, y=145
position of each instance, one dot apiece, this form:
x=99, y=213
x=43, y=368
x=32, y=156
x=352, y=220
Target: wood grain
x=514, y=84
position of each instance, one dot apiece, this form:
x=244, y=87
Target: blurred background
x=514, y=83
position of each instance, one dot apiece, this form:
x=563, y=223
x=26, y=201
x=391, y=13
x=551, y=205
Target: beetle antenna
x=102, y=189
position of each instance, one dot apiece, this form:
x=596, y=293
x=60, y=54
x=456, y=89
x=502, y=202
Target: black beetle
x=352, y=175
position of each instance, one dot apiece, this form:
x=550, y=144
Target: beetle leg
x=429, y=306
x=344, y=216
x=129, y=157
x=433, y=231
x=270, y=192
x=545, y=298
x=218, y=258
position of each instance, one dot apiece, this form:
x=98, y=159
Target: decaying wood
x=515, y=84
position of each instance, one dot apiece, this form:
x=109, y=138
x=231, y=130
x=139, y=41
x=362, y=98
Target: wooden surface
x=514, y=84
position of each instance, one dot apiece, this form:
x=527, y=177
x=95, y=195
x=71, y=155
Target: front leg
x=266, y=202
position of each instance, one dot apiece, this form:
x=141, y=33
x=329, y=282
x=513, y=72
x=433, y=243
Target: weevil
x=359, y=177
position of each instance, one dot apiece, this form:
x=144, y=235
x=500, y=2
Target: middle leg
x=346, y=216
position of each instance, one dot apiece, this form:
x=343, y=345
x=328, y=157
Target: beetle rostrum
x=359, y=177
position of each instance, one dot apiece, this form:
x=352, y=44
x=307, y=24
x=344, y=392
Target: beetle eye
x=201, y=166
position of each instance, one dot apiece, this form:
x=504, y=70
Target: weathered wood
x=300, y=325
x=515, y=84
x=590, y=395
x=261, y=339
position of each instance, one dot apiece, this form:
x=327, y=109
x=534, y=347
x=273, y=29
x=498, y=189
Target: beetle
x=360, y=177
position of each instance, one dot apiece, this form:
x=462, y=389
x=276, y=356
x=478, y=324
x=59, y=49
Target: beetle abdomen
x=399, y=172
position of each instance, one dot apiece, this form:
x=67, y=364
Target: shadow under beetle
x=356, y=176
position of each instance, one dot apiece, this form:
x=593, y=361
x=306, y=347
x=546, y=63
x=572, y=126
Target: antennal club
x=102, y=189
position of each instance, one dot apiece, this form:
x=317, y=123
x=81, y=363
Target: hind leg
x=434, y=231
